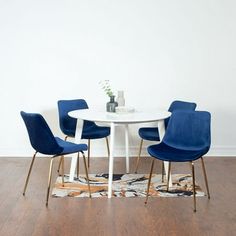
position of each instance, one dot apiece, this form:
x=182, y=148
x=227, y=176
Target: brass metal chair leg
x=194, y=189
x=108, y=149
x=139, y=153
x=86, y=171
x=149, y=180
x=168, y=176
x=49, y=179
x=190, y=165
x=205, y=177
x=88, y=153
x=29, y=172
x=77, y=169
x=59, y=166
x=63, y=170
x=162, y=171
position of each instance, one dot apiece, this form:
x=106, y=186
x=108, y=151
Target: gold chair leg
x=63, y=170
x=205, y=177
x=29, y=172
x=86, y=171
x=77, y=169
x=162, y=171
x=149, y=180
x=88, y=153
x=194, y=190
x=49, y=179
x=108, y=149
x=190, y=165
x=59, y=165
x=139, y=153
x=168, y=177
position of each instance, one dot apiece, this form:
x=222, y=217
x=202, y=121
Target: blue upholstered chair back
x=67, y=123
x=189, y=130
x=180, y=105
x=40, y=135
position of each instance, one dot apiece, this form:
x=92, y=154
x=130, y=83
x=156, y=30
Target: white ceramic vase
x=120, y=98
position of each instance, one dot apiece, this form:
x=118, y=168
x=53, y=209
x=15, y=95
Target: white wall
x=156, y=51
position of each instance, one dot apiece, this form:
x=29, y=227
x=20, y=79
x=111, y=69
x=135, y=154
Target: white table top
x=117, y=119
x=133, y=117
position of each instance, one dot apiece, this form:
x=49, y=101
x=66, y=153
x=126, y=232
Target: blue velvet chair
x=187, y=138
x=43, y=141
x=68, y=124
x=151, y=133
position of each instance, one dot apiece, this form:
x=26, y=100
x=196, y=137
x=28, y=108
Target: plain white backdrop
x=156, y=51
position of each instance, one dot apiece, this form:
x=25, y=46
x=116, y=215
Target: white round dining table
x=114, y=119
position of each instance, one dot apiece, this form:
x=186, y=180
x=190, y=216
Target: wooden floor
x=117, y=216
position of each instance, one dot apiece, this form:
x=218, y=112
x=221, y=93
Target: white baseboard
x=222, y=151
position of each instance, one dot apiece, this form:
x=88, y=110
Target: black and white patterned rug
x=125, y=185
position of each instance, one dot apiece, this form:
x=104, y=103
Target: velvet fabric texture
x=187, y=138
x=43, y=140
x=68, y=124
x=151, y=133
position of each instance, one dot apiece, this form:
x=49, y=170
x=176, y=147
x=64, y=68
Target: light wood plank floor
x=117, y=216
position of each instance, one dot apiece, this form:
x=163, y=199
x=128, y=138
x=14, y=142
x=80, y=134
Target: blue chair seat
x=149, y=133
x=69, y=147
x=43, y=141
x=68, y=124
x=89, y=131
x=187, y=138
x=96, y=132
x=167, y=153
x=152, y=134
